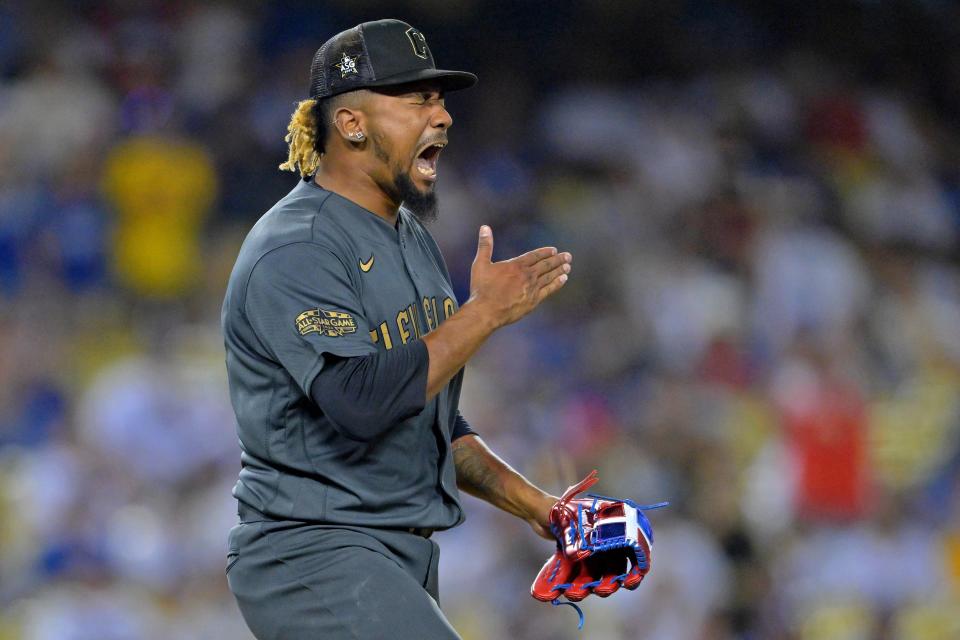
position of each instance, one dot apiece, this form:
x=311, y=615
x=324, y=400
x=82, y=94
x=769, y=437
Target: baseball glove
x=603, y=544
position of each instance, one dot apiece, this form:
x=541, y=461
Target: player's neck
x=358, y=187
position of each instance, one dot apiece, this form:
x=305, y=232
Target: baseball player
x=345, y=349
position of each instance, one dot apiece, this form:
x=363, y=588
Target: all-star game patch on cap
x=378, y=54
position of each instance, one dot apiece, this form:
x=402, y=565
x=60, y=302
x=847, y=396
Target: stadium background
x=763, y=326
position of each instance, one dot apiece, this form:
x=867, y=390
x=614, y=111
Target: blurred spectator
x=161, y=189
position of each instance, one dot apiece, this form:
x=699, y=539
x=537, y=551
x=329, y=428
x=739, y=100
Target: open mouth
x=426, y=162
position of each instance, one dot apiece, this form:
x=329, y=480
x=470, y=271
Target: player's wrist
x=537, y=513
x=481, y=315
x=536, y=505
x=543, y=506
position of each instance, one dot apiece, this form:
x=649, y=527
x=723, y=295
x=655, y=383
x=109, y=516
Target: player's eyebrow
x=427, y=94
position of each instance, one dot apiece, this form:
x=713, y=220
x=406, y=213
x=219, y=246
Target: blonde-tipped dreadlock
x=302, y=140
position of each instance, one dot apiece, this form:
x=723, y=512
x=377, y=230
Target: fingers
x=552, y=275
x=485, y=245
x=552, y=262
x=531, y=258
x=517, y=285
x=552, y=270
x=551, y=288
x=543, y=259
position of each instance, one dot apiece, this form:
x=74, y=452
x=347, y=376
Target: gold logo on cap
x=419, y=43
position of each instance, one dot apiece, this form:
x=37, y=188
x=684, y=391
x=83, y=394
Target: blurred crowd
x=762, y=325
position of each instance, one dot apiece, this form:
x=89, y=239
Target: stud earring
x=358, y=135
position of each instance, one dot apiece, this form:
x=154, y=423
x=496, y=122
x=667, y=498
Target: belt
x=249, y=514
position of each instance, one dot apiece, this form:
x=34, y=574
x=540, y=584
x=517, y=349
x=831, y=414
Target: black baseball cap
x=378, y=54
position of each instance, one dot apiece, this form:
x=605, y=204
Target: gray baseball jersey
x=318, y=275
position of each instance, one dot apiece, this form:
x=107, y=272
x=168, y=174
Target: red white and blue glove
x=603, y=544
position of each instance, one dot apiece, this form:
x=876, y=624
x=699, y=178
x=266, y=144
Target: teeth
x=428, y=168
x=439, y=145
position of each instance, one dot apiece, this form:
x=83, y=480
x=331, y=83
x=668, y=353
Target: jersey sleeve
x=461, y=428
x=302, y=304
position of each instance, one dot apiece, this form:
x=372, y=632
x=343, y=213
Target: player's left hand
x=541, y=529
x=539, y=519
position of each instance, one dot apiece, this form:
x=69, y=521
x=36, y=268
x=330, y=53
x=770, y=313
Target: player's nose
x=441, y=118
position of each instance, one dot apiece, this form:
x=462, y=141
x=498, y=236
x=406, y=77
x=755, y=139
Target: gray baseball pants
x=297, y=581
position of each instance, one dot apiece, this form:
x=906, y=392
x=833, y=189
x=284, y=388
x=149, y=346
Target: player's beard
x=423, y=204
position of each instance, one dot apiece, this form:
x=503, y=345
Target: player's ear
x=348, y=123
x=349, y=116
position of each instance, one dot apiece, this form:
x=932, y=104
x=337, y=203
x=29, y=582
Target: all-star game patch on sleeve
x=330, y=323
x=301, y=295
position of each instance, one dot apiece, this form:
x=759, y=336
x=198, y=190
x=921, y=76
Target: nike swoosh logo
x=366, y=266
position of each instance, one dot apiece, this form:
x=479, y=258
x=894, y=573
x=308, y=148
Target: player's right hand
x=510, y=289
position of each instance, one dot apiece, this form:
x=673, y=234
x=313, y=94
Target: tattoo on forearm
x=477, y=474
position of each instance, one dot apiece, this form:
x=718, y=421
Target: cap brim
x=448, y=80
